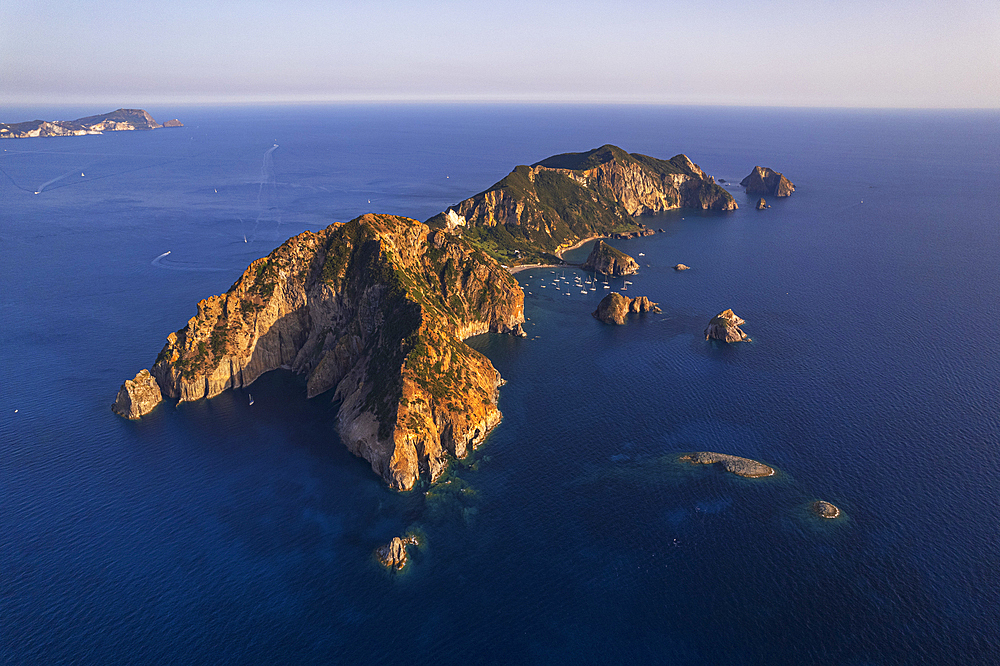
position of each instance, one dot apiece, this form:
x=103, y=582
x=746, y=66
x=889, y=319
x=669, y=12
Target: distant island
x=374, y=312
x=115, y=121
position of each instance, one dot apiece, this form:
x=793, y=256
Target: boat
x=251, y=398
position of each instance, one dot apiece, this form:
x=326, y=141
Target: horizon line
x=132, y=101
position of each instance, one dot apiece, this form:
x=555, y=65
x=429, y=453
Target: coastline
x=558, y=253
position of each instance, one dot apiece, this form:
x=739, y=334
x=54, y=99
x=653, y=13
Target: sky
x=812, y=53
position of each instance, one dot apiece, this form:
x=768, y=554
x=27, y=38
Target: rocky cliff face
x=763, y=180
x=115, y=121
x=725, y=326
x=538, y=209
x=376, y=310
x=610, y=261
x=137, y=397
x=615, y=308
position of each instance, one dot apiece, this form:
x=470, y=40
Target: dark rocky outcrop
x=745, y=467
x=682, y=267
x=393, y=555
x=825, y=509
x=763, y=180
x=137, y=397
x=725, y=326
x=761, y=204
x=115, y=121
x=615, y=308
x=376, y=311
x=536, y=210
x=610, y=261
x=173, y=123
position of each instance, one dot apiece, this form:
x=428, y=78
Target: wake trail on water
x=41, y=188
x=265, y=192
x=162, y=262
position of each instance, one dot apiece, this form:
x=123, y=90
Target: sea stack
x=763, y=180
x=606, y=259
x=725, y=326
x=137, y=397
x=682, y=267
x=761, y=204
x=615, y=308
x=393, y=555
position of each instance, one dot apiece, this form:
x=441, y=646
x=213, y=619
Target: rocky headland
x=526, y=217
x=615, y=308
x=744, y=467
x=376, y=311
x=763, y=180
x=725, y=326
x=825, y=509
x=115, y=121
x=609, y=261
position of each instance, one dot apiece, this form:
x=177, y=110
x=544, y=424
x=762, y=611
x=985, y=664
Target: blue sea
x=220, y=532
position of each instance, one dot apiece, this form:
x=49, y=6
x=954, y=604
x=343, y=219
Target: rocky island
x=374, y=312
x=615, y=308
x=825, y=509
x=745, y=467
x=115, y=121
x=536, y=210
x=393, y=555
x=725, y=326
x=763, y=180
x=609, y=261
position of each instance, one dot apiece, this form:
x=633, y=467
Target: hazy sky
x=871, y=53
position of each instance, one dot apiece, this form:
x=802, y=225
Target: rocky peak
x=725, y=326
x=763, y=180
x=610, y=261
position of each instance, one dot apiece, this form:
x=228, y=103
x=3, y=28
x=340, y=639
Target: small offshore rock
x=393, y=555
x=173, y=123
x=825, y=509
x=615, y=308
x=763, y=180
x=610, y=261
x=682, y=267
x=518, y=330
x=761, y=205
x=745, y=467
x=725, y=326
x=137, y=397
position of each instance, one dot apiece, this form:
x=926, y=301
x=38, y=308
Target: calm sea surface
x=220, y=532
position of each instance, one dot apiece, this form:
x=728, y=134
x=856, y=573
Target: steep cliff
x=537, y=209
x=763, y=180
x=376, y=309
x=610, y=261
x=115, y=121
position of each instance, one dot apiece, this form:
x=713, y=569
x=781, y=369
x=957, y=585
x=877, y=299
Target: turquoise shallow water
x=220, y=532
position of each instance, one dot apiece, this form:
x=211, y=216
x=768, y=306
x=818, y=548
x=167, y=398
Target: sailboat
x=251, y=398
